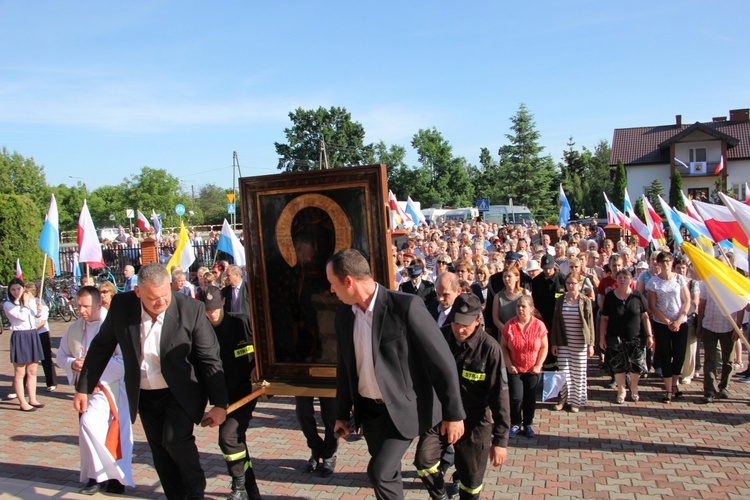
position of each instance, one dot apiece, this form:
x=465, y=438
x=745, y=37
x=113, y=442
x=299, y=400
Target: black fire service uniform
x=238, y=358
x=484, y=393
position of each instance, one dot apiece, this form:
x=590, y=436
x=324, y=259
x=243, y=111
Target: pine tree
x=675, y=192
x=525, y=175
x=652, y=193
x=620, y=184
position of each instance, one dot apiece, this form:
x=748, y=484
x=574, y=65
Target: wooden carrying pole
x=727, y=314
x=237, y=404
x=41, y=282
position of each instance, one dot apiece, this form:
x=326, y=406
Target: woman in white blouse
x=25, y=346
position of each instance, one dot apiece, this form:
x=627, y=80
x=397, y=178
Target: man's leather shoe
x=115, y=486
x=329, y=465
x=311, y=465
x=91, y=488
x=238, y=490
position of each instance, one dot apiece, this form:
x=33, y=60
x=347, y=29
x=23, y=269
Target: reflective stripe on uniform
x=428, y=472
x=473, y=376
x=248, y=464
x=235, y=456
x=244, y=351
x=467, y=489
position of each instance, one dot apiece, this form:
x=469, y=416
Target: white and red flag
x=89, y=247
x=721, y=222
x=143, y=223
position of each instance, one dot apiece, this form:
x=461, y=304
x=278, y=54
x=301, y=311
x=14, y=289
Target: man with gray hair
x=172, y=367
x=131, y=279
x=235, y=296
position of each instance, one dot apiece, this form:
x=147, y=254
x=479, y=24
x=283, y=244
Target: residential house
x=700, y=152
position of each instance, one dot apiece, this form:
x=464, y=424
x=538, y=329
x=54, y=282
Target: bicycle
x=106, y=275
x=3, y=296
x=58, y=302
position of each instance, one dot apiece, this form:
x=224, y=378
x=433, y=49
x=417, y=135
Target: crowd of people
x=483, y=308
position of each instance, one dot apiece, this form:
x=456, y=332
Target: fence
x=116, y=258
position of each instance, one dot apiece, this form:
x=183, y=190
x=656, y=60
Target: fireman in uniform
x=238, y=358
x=484, y=394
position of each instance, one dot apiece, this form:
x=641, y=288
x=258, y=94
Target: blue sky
x=97, y=90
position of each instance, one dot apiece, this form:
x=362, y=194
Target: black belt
x=373, y=401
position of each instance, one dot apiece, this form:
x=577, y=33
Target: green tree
x=156, y=189
x=620, y=185
x=449, y=177
x=720, y=187
x=485, y=178
x=212, y=202
x=639, y=209
x=21, y=223
x=572, y=170
x=675, y=192
x=311, y=129
x=526, y=175
x=19, y=175
x=652, y=193
x=598, y=179
x=69, y=203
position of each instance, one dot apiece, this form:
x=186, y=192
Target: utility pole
x=323, y=155
x=235, y=165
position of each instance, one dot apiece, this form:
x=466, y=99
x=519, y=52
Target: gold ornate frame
x=293, y=222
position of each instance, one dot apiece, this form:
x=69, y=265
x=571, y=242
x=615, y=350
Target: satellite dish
x=111, y=216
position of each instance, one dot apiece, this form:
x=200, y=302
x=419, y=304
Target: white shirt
x=151, y=377
x=368, y=384
x=443, y=316
x=21, y=317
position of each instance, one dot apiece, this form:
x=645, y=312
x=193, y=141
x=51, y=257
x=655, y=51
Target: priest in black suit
x=172, y=367
x=394, y=369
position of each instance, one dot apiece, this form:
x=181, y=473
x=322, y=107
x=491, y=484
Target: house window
x=698, y=154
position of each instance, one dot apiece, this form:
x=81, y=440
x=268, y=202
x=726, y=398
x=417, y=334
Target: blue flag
x=564, y=208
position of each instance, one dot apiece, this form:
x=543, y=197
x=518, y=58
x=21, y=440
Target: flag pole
x=41, y=282
x=727, y=314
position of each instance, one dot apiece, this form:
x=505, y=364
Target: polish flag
x=143, y=223
x=89, y=248
x=720, y=166
x=689, y=207
x=654, y=222
x=720, y=222
x=398, y=216
x=19, y=273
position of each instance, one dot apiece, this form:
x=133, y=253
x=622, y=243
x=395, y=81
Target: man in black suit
x=394, y=369
x=235, y=296
x=417, y=286
x=172, y=364
x=447, y=288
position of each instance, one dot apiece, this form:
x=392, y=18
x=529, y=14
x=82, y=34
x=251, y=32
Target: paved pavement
x=644, y=450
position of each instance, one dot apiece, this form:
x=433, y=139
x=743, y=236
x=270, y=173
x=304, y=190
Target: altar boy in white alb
x=105, y=439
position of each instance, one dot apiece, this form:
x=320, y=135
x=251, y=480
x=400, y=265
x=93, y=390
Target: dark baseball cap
x=213, y=298
x=466, y=309
x=547, y=261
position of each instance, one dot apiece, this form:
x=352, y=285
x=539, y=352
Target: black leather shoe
x=91, y=488
x=311, y=465
x=329, y=465
x=115, y=486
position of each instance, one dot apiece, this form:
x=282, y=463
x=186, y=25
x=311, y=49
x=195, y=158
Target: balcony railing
x=698, y=169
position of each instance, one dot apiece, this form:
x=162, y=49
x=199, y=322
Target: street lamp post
x=83, y=183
